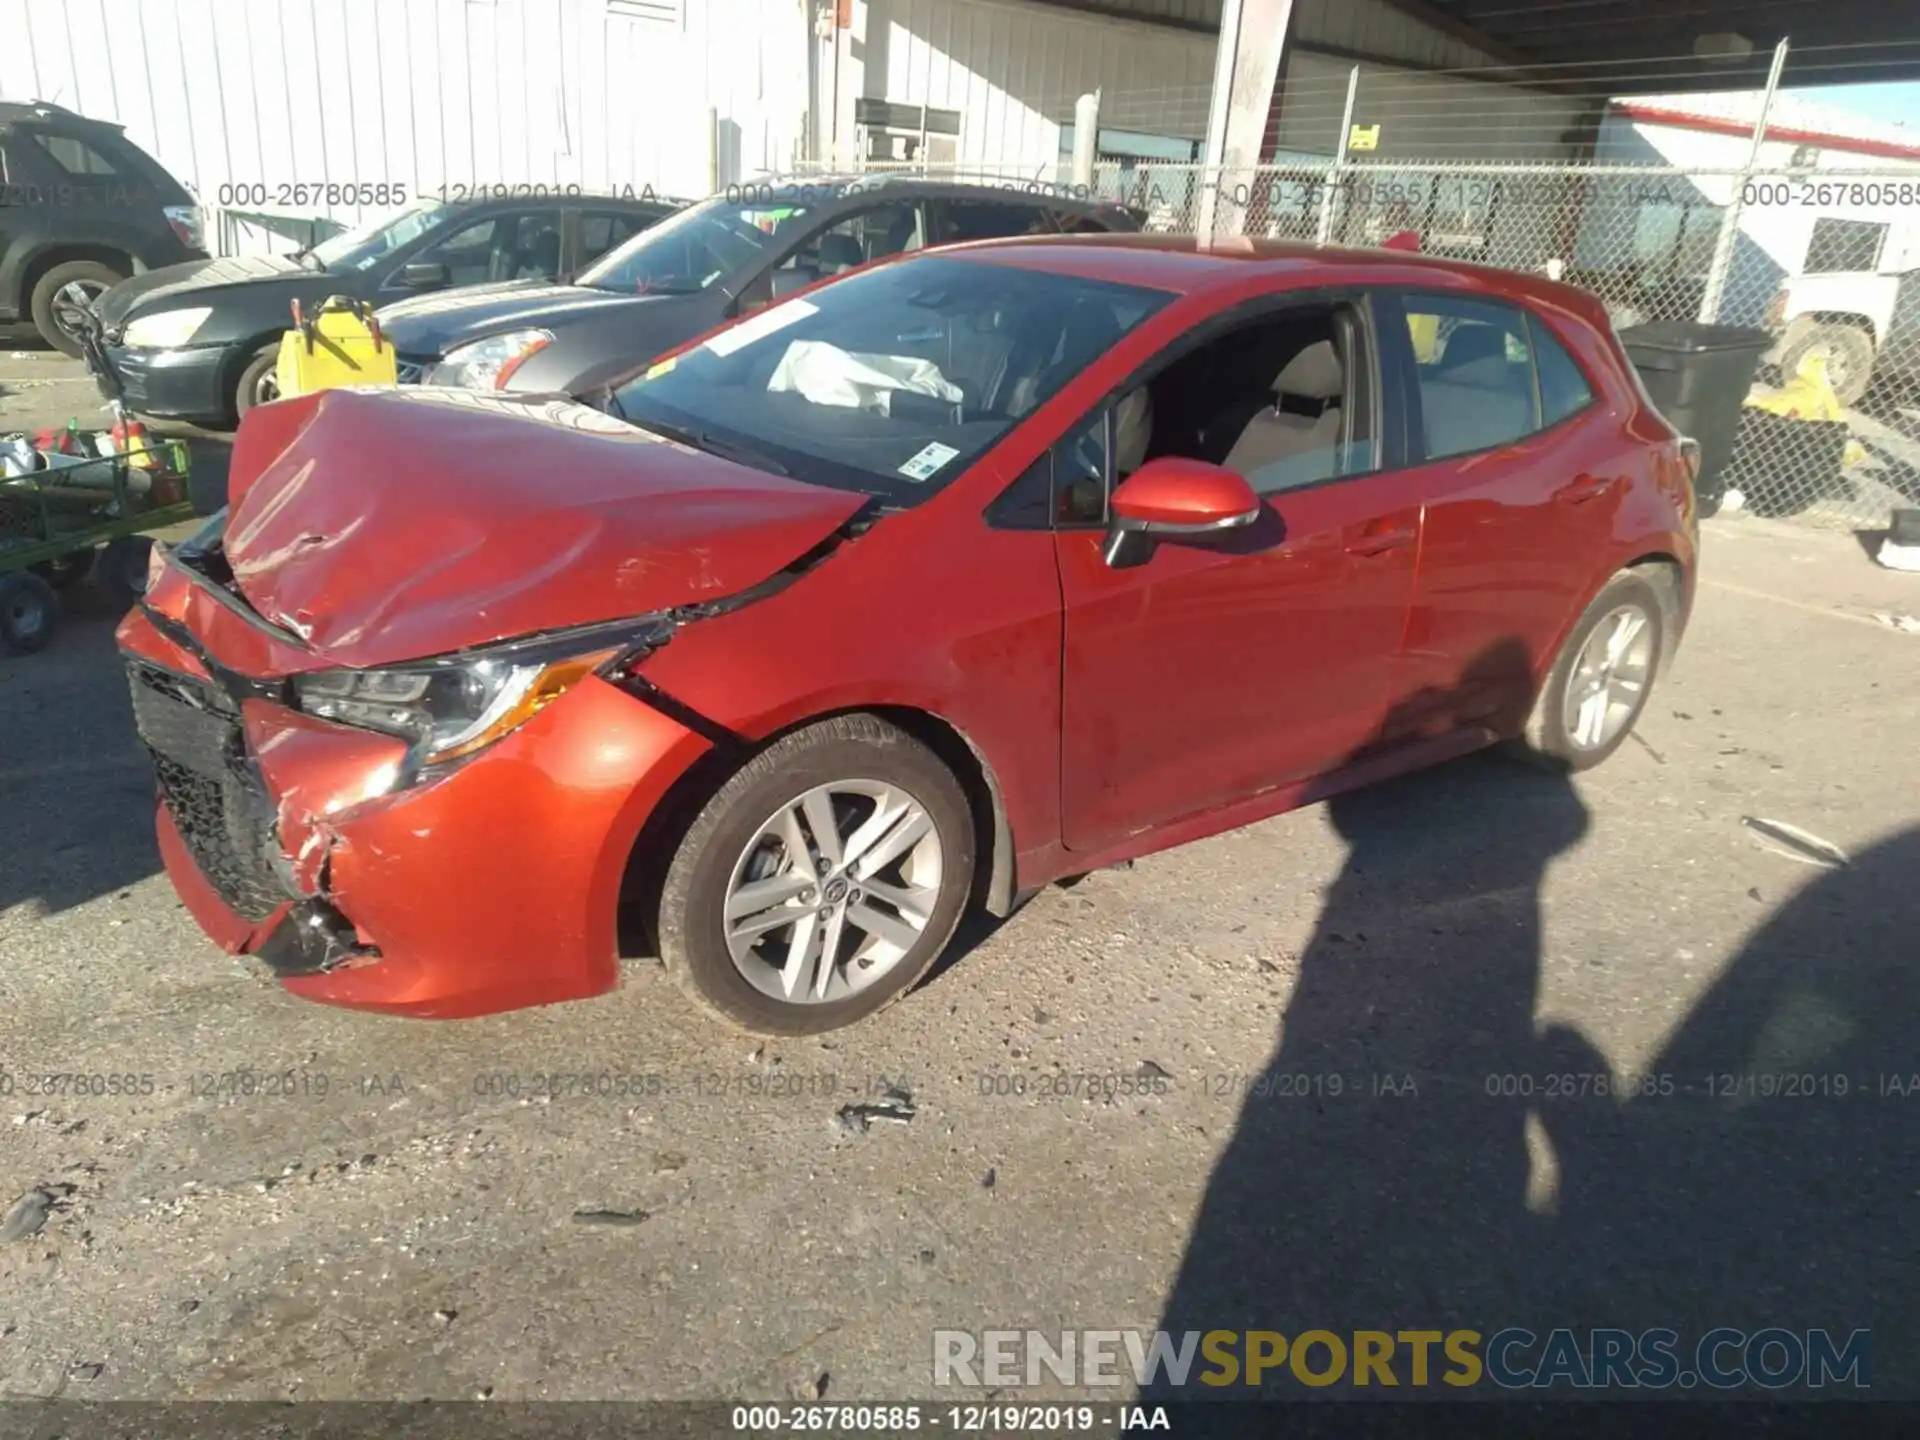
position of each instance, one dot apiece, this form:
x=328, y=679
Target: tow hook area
x=313, y=939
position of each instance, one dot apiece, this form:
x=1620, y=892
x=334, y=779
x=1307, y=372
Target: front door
x=1222, y=668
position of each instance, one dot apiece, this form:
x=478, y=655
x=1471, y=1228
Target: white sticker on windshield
x=928, y=461
x=760, y=326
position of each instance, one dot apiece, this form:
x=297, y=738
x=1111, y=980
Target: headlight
x=451, y=707
x=167, y=329
x=488, y=364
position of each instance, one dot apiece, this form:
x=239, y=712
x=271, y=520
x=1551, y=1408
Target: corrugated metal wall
x=422, y=92
x=1014, y=72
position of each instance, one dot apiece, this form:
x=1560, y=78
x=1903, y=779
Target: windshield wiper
x=701, y=440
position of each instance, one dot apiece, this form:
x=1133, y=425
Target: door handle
x=1582, y=489
x=1378, y=542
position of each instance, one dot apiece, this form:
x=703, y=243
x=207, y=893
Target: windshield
x=691, y=250
x=891, y=381
x=365, y=244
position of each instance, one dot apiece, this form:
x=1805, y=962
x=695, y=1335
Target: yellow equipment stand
x=339, y=344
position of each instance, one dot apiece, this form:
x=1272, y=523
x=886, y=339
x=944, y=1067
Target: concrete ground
x=272, y=1200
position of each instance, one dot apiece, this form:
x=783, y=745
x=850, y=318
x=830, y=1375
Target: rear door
x=1520, y=497
x=1223, y=668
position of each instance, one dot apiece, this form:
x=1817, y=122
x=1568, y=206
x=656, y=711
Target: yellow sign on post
x=1364, y=137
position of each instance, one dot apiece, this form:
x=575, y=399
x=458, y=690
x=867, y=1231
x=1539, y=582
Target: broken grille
x=210, y=786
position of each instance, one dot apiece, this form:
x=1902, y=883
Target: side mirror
x=424, y=275
x=1174, y=498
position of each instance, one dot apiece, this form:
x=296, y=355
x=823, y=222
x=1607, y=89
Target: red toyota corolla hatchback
x=962, y=574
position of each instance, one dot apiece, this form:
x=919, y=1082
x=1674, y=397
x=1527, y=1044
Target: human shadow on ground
x=1420, y=1154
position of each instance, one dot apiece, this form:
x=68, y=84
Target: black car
x=199, y=342
x=723, y=257
x=81, y=208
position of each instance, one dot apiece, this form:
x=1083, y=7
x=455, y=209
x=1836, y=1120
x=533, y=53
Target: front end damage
x=491, y=886
x=380, y=868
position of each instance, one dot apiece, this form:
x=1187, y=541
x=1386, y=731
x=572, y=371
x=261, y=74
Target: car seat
x=838, y=253
x=1296, y=439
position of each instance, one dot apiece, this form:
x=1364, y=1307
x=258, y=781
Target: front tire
x=259, y=382
x=1601, y=679
x=821, y=881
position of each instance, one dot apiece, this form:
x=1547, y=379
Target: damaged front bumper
x=489, y=887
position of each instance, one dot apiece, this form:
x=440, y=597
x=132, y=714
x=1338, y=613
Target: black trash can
x=1698, y=377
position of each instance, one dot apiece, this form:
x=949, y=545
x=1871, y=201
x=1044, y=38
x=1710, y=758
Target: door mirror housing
x=1175, y=498
x=424, y=275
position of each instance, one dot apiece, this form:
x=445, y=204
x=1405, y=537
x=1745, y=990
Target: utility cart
x=66, y=509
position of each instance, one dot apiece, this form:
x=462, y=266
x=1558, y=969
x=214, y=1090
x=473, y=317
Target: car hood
x=203, y=281
x=388, y=525
x=437, y=324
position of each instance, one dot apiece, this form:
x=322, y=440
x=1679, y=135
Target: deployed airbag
x=827, y=375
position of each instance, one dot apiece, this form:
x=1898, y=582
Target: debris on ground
x=1905, y=624
x=990, y=1179
x=27, y=1217
x=1795, y=843
x=895, y=1106
x=446, y=1317
x=1900, y=550
x=612, y=1217
x=1150, y=1071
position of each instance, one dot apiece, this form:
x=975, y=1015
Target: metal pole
x=1727, y=241
x=1226, y=51
x=1339, y=158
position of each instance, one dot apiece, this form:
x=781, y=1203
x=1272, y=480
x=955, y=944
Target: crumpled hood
x=390, y=525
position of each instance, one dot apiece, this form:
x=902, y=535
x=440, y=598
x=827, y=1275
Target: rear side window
x=989, y=220
x=73, y=155
x=1563, y=389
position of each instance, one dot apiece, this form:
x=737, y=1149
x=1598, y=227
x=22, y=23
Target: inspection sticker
x=928, y=461
x=760, y=326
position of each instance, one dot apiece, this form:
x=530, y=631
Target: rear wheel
x=122, y=568
x=62, y=291
x=28, y=612
x=1600, y=682
x=821, y=881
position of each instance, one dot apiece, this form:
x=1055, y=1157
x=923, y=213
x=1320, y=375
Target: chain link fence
x=1830, y=434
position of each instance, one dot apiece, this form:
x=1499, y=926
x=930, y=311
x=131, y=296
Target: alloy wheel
x=1609, y=677
x=832, y=891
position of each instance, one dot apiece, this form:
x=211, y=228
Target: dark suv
x=199, y=342
x=724, y=257
x=81, y=208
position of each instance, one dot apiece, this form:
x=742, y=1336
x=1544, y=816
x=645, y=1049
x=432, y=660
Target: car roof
x=48, y=112
x=1187, y=265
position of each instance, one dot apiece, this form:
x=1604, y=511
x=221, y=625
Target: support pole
x=1727, y=243
x=1225, y=52
x=1328, y=200
x=1086, y=136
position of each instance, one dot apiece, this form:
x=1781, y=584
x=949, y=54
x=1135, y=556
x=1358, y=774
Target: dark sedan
x=199, y=341
x=716, y=260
